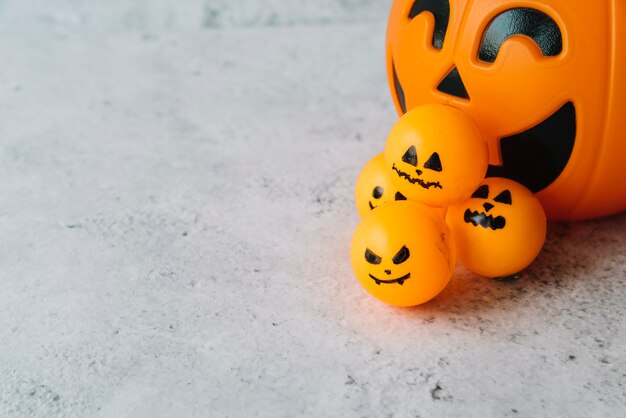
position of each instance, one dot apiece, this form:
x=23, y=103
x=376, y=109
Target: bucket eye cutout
x=440, y=9
x=534, y=24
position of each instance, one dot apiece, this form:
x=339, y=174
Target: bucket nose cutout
x=453, y=84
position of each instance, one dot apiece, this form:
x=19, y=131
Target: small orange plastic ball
x=436, y=155
x=500, y=230
x=402, y=253
x=374, y=186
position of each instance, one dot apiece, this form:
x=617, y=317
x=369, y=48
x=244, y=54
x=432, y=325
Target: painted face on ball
x=401, y=256
x=436, y=155
x=402, y=253
x=500, y=229
x=374, y=186
x=415, y=176
x=481, y=217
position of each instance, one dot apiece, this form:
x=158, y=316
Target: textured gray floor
x=175, y=214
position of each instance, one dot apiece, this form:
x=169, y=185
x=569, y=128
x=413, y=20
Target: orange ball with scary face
x=402, y=253
x=436, y=155
x=500, y=230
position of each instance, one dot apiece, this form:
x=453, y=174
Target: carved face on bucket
x=436, y=155
x=402, y=254
x=500, y=229
x=374, y=186
x=534, y=76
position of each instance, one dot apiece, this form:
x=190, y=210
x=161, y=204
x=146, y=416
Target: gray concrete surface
x=175, y=214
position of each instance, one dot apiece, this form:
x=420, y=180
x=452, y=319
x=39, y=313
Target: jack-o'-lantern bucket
x=544, y=80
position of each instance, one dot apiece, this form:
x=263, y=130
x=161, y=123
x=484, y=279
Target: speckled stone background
x=175, y=213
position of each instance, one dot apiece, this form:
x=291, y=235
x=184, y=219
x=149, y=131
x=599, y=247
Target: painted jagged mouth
x=484, y=220
x=399, y=280
x=535, y=157
x=425, y=184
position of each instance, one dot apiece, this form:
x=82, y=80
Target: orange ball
x=374, y=186
x=500, y=230
x=402, y=253
x=436, y=155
